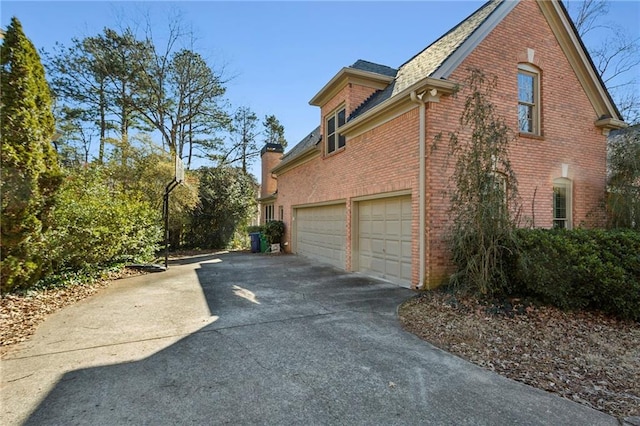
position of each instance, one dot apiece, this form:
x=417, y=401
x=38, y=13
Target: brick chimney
x=270, y=155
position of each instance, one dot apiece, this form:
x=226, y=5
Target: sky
x=277, y=55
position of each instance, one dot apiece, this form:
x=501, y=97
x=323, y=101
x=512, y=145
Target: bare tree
x=615, y=53
x=243, y=146
x=180, y=95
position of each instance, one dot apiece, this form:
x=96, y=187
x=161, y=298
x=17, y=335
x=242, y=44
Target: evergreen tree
x=274, y=131
x=30, y=172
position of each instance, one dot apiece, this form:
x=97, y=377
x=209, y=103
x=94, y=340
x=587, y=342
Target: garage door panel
x=392, y=249
x=385, y=238
x=405, y=248
x=377, y=247
x=321, y=233
x=406, y=271
x=393, y=227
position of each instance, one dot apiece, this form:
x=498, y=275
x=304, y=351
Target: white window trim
x=269, y=212
x=568, y=184
x=537, y=122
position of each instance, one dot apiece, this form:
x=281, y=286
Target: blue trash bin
x=255, y=242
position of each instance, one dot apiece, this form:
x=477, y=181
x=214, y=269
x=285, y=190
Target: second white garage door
x=384, y=239
x=321, y=233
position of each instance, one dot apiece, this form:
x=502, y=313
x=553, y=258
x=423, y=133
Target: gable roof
x=361, y=72
x=363, y=65
x=438, y=60
x=442, y=56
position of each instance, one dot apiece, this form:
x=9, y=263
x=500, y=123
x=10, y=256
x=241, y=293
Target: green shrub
x=580, y=269
x=274, y=231
x=226, y=205
x=255, y=228
x=97, y=224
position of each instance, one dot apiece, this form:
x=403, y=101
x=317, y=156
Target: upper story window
x=562, y=203
x=335, y=120
x=528, y=99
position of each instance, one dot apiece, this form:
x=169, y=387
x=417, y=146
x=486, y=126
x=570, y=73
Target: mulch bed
x=586, y=357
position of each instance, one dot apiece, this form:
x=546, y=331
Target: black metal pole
x=165, y=210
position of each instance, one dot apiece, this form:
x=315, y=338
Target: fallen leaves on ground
x=586, y=357
x=20, y=314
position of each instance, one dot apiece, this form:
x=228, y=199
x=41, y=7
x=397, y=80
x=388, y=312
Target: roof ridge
x=430, y=59
x=364, y=65
x=451, y=30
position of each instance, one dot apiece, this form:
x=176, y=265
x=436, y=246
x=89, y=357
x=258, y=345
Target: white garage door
x=384, y=239
x=321, y=233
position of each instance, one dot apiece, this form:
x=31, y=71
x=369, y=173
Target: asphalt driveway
x=240, y=338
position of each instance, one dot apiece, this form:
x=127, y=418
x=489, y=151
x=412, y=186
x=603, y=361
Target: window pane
x=341, y=118
x=525, y=118
x=525, y=88
x=331, y=125
x=341, y=140
x=559, y=224
x=559, y=202
x=331, y=143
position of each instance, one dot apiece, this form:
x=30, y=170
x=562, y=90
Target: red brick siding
x=269, y=160
x=569, y=133
x=382, y=160
x=385, y=159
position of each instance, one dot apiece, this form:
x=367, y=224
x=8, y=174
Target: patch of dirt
x=586, y=357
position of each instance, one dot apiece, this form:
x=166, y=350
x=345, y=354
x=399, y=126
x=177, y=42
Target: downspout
x=422, y=99
x=417, y=98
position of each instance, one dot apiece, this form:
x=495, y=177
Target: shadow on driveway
x=288, y=342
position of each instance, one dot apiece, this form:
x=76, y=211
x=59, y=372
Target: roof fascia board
x=395, y=106
x=305, y=156
x=579, y=59
x=365, y=78
x=271, y=197
x=461, y=53
x=608, y=124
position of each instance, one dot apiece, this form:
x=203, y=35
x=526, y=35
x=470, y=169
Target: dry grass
x=587, y=357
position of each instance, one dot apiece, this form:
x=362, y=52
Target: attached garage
x=384, y=239
x=321, y=233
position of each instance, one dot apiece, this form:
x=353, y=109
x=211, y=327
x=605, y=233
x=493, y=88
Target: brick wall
x=269, y=159
x=569, y=134
x=385, y=159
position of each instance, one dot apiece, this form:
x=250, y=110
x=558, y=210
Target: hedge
x=579, y=269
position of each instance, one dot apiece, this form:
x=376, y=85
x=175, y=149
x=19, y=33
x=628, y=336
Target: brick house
x=364, y=192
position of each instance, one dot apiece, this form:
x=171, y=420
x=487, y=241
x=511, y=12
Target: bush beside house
x=579, y=269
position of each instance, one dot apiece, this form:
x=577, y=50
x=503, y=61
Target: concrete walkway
x=254, y=339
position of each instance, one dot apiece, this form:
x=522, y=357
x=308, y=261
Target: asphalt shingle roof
x=422, y=65
x=375, y=68
x=308, y=141
x=427, y=62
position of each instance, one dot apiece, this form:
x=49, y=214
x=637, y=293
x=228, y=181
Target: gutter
x=443, y=87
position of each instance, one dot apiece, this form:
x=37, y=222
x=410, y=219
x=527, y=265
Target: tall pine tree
x=30, y=172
